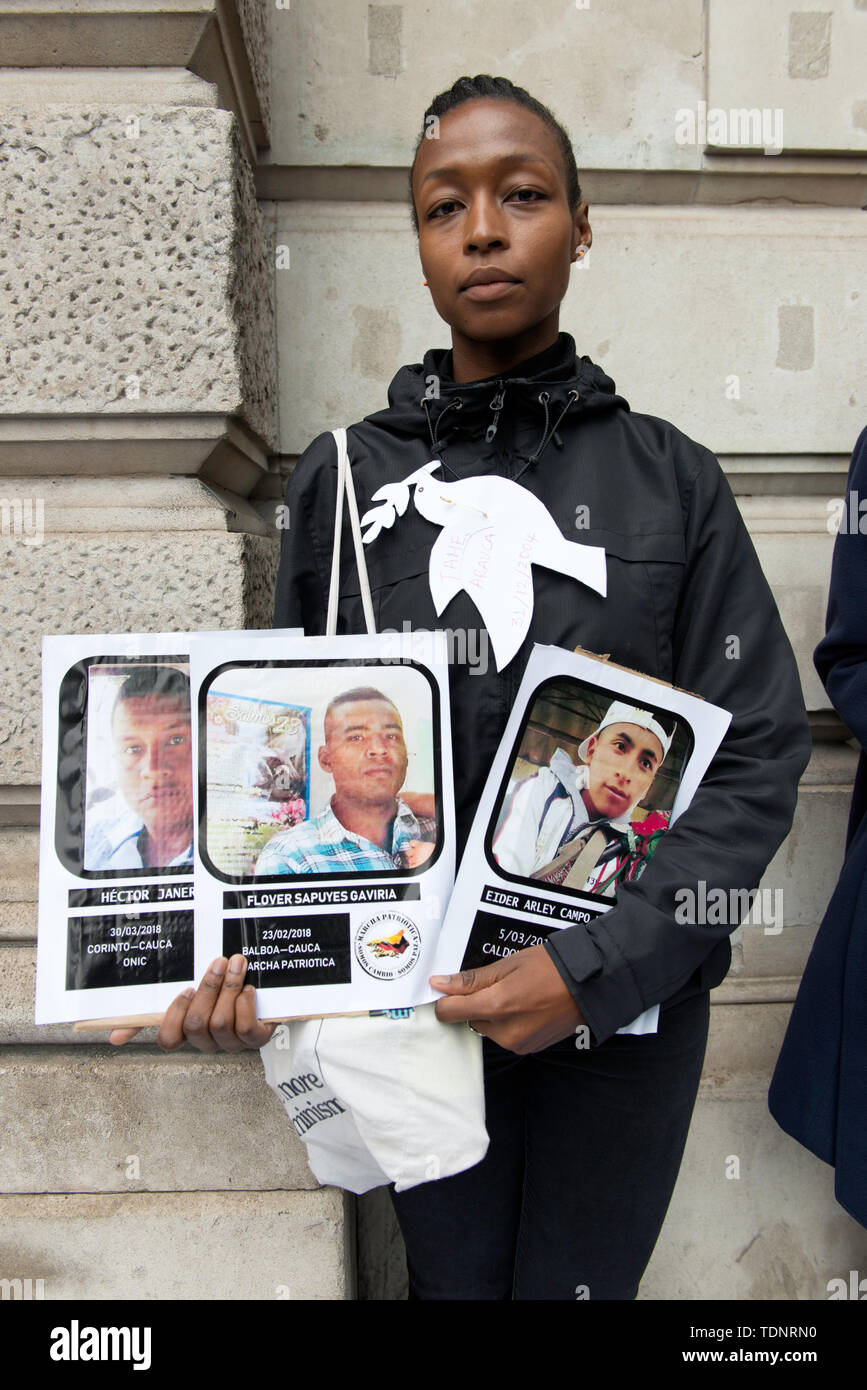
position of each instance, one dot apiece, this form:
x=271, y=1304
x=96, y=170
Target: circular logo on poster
x=387, y=945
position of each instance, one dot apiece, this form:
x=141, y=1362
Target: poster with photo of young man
x=590, y=791
x=595, y=765
x=340, y=907
x=117, y=825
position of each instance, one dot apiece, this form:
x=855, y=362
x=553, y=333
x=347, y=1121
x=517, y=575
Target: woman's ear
x=582, y=236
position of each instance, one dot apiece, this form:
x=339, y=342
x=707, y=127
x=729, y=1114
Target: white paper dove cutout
x=493, y=532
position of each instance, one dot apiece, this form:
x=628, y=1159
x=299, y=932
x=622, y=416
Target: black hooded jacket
x=687, y=602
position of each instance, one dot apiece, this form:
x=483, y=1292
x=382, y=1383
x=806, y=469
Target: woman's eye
x=443, y=209
x=527, y=195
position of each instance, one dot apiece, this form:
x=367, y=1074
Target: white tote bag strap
x=346, y=484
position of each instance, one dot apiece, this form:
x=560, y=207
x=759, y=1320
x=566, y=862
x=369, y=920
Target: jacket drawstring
x=435, y=442
x=547, y=435
x=549, y=431
x=543, y=399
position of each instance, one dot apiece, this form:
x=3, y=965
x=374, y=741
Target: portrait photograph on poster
x=139, y=775
x=595, y=765
x=590, y=791
x=116, y=861
x=270, y=809
x=326, y=847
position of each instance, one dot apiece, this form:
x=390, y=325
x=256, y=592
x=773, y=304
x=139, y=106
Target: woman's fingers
x=171, y=1034
x=196, y=1023
x=224, y=1022
x=469, y=992
x=249, y=1028
x=219, y=1016
x=522, y=1001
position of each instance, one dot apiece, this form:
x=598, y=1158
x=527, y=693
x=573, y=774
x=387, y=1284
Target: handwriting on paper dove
x=493, y=532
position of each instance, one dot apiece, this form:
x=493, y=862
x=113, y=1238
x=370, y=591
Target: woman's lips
x=493, y=289
x=488, y=282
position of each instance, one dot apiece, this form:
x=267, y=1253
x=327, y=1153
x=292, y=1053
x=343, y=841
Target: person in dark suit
x=819, y=1089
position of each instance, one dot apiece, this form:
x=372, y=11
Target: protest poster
x=595, y=765
x=326, y=817
x=117, y=838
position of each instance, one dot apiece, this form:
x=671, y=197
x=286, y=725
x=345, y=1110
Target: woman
x=585, y=1143
x=500, y=223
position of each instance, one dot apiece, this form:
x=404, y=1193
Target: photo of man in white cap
x=573, y=826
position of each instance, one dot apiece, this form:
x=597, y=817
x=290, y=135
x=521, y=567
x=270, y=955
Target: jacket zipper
x=496, y=406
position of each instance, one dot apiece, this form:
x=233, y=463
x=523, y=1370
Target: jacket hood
x=519, y=409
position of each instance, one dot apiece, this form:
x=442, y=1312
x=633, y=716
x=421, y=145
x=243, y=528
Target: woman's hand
x=220, y=1016
x=520, y=1002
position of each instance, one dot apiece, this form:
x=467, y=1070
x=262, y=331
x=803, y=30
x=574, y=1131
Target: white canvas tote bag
x=386, y=1097
x=380, y=1099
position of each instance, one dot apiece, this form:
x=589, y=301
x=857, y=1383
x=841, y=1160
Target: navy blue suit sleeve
x=841, y=656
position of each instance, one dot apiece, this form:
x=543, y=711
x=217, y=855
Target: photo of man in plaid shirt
x=366, y=826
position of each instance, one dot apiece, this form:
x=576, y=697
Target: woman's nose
x=484, y=226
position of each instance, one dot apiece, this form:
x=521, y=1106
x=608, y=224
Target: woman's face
x=621, y=764
x=496, y=236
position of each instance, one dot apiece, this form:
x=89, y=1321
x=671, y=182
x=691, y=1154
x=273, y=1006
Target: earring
x=424, y=282
x=581, y=256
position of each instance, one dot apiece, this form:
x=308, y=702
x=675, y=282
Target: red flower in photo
x=657, y=820
x=643, y=838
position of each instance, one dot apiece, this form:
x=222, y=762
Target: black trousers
x=584, y=1154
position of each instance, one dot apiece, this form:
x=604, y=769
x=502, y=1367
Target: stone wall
x=138, y=423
